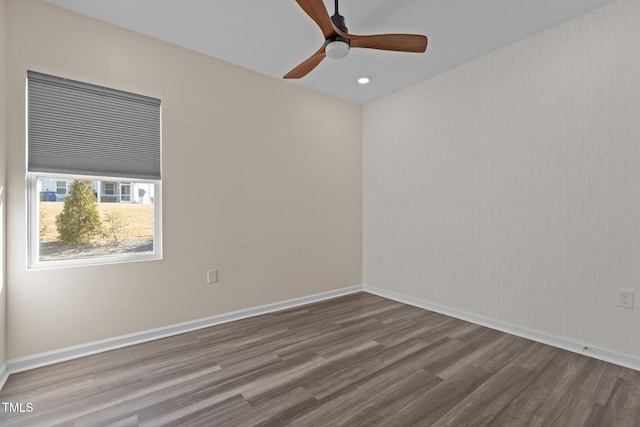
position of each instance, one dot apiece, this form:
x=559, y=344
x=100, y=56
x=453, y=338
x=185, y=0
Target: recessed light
x=364, y=80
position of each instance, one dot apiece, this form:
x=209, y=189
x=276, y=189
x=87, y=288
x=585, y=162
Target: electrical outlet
x=212, y=276
x=625, y=298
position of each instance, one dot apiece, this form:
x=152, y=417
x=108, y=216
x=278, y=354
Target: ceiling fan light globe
x=337, y=49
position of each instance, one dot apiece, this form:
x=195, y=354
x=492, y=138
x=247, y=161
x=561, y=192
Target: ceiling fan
x=338, y=41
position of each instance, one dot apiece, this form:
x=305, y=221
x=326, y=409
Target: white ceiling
x=273, y=36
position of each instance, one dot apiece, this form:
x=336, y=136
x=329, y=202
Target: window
x=61, y=187
x=108, y=193
x=125, y=192
x=110, y=188
x=98, y=148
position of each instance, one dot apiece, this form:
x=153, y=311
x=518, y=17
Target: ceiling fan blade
x=307, y=65
x=395, y=42
x=318, y=12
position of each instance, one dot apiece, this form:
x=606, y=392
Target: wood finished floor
x=358, y=360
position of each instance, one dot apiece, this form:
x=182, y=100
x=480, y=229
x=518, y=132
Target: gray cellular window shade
x=81, y=129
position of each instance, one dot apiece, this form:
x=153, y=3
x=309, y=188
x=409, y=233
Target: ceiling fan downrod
x=338, y=20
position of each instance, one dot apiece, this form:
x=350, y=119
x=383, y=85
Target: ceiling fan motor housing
x=338, y=21
x=337, y=47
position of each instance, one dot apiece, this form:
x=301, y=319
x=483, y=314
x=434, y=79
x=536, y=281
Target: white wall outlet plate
x=625, y=298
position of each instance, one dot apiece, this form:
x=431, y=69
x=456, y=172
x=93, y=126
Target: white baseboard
x=4, y=374
x=563, y=343
x=74, y=352
x=48, y=358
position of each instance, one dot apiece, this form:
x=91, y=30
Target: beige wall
x=509, y=187
x=3, y=135
x=253, y=185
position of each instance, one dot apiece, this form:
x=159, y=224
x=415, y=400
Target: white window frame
x=33, y=229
